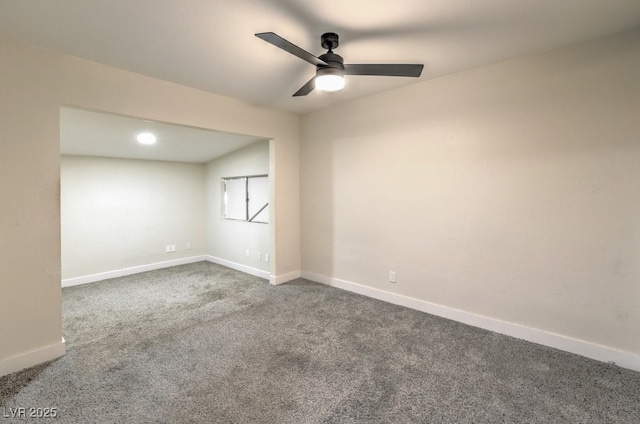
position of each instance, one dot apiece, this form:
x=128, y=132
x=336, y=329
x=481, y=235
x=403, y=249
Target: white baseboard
x=590, y=350
x=30, y=359
x=130, y=271
x=166, y=264
x=283, y=278
x=238, y=267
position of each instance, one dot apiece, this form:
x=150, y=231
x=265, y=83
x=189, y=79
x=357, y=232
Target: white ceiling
x=210, y=44
x=87, y=133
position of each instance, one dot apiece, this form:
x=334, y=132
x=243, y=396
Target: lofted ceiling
x=210, y=44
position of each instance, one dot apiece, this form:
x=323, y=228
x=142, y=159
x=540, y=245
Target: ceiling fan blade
x=307, y=88
x=389, y=70
x=276, y=40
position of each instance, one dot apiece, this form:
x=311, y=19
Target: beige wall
x=34, y=83
x=226, y=239
x=509, y=191
x=121, y=213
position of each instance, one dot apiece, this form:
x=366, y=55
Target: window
x=246, y=198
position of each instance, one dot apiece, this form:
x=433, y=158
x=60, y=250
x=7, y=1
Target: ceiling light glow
x=146, y=138
x=329, y=79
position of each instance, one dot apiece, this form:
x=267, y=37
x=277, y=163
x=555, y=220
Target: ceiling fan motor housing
x=332, y=60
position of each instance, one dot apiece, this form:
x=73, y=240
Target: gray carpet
x=203, y=343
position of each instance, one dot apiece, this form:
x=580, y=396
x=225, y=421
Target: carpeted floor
x=202, y=343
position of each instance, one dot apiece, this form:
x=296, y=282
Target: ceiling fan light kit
x=330, y=67
x=329, y=79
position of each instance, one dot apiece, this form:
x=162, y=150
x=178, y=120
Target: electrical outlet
x=266, y=257
x=392, y=276
x=167, y=248
x=189, y=246
x=259, y=256
x=247, y=253
x=173, y=247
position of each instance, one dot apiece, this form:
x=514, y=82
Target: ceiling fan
x=330, y=67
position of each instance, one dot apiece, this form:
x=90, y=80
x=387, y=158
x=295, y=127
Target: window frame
x=247, y=199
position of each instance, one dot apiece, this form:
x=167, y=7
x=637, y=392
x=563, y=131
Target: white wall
x=34, y=84
x=121, y=213
x=509, y=191
x=228, y=239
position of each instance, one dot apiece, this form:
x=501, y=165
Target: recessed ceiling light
x=146, y=138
